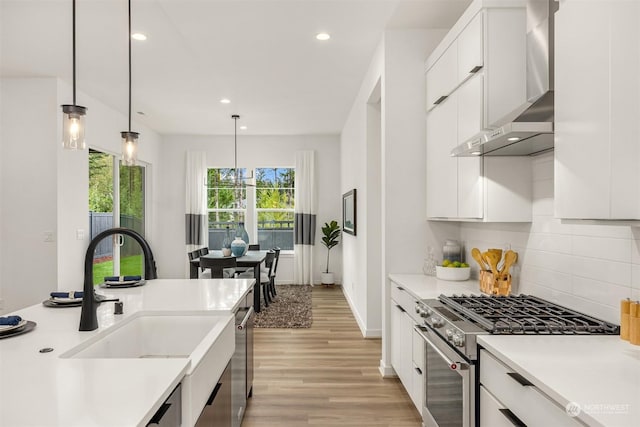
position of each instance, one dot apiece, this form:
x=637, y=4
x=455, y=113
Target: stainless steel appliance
x=242, y=360
x=170, y=413
x=450, y=329
x=217, y=411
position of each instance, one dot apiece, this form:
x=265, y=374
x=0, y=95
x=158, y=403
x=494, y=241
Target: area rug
x=291, y=308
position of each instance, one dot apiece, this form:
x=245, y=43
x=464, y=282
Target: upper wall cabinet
x=474, y=78
x=597, y=110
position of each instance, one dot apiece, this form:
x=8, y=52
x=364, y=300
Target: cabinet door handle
x=475, y=69
x=520, y=379
x=418, y=370
x=400, y=308
x=512, y=418
x=213, y=394
x=439, y=100
x=158, y=416
x=247, y=316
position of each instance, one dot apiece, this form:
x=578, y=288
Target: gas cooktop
x=525, y=314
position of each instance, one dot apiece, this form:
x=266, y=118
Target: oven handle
x=455, y=366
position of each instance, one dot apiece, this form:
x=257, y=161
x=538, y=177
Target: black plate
x=53, y=304
x=27, y=328
x=114, y=285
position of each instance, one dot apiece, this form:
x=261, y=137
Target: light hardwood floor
x=326, y=375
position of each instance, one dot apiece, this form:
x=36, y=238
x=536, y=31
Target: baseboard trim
x=366, y=333
x=387, y=371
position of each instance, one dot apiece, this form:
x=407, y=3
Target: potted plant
x=331, y=232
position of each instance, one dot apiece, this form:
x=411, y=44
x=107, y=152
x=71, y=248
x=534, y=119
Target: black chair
x=254, y=247
x=265, y=278
x=194, y=269
x=221, y=268
x=272, y=284
x=202, y=251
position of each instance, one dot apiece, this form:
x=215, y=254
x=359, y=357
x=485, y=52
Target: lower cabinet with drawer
x=407, y=348
x=507, y=398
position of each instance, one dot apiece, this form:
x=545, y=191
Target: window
x=274, y=207
x=226, y=204
x=268, y=206
x=109, y=208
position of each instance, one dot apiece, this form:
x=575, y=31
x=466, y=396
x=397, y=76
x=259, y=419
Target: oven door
x=449, y=384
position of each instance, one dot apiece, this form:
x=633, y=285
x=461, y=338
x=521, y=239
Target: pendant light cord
x=129, y=36
x=73, y=26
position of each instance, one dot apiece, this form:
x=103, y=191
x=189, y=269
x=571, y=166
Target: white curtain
x=305, y=217
x=196, y=229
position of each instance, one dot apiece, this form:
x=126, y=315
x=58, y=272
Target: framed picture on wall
x=349, y=212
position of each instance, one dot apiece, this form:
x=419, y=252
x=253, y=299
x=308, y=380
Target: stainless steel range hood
x=529, y=128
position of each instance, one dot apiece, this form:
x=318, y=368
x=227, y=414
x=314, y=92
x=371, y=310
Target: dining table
x=251, y=259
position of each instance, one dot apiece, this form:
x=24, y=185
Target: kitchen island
x=43, y=389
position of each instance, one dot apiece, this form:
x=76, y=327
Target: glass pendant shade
x=129, y=148
x=73, y=125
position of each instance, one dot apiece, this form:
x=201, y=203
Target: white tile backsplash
x=587, y=267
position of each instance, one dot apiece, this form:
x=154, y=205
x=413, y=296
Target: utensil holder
x=489, y=284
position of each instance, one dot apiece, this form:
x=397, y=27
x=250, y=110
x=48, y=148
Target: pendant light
x=129, y=138
x=73, y=115
x=237, y=174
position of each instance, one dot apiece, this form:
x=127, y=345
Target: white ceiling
x=262, y=55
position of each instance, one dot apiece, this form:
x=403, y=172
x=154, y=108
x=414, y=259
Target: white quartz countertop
x=42, y=389
x=599, y=373
x=429, y=287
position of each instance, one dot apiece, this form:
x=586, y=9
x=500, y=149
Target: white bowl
x=452, y=273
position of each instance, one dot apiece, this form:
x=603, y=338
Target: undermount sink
x=207, y=339
x=152, y=335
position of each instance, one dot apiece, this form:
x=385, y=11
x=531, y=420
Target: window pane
x=226, y=203
x=275, y=228
x=275, y=177
x=218, y=223
x=274, y=198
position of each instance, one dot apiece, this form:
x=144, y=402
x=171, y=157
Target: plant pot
x=327, y=279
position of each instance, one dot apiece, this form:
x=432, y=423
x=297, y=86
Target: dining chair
x=265, y=278
x=276, y=261
x=254, y=247
x=201, y=252
x=221, y=268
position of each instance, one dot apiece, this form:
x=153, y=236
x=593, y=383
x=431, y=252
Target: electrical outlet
x=49, y=236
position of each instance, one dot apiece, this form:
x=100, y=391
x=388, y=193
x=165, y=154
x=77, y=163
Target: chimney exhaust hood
x=529, y=128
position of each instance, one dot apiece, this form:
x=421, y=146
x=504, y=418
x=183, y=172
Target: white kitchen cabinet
x=512, y=391
x=407, y=348
x=470, y=49
x=597, y=105
x=442, y=169
x=442, y=78
x=490, y=83
x=492, y=412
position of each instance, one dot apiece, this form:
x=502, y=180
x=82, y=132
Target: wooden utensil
x=492, y=259
x=510, y=258
x=477, y=255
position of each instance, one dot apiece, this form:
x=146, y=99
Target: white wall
x=29, y=187
x=253, y=151
x=45, y=188
x=588, y=267
x=391, y=176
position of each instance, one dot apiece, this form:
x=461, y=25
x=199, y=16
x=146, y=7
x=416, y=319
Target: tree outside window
x=226, y=203
x=274, y=207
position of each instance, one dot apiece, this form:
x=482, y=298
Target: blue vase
x=226, y=242
x=242, y=233
x=238, y=247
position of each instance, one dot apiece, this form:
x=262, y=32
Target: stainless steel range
x=451, y=326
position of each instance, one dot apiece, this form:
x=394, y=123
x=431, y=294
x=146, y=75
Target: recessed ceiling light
x=323, y=36
x=513, y=139
x=225, y=101
x=475, y=153
x=243, y=127
x=138, y=36
x=141, y=113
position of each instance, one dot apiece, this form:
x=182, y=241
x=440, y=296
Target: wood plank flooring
x=326, y=375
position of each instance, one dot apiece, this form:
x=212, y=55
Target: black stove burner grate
x=525, y=314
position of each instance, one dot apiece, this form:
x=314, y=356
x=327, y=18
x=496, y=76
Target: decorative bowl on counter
x=453, y=273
